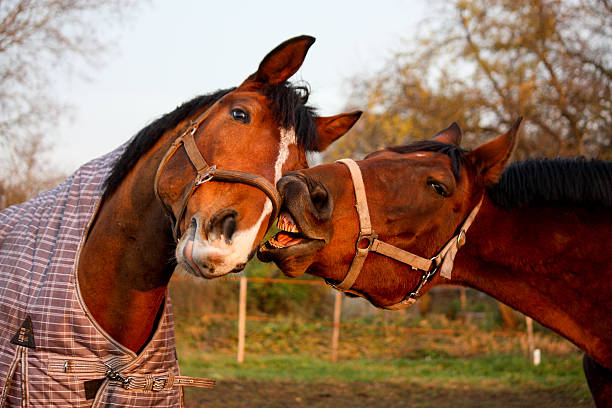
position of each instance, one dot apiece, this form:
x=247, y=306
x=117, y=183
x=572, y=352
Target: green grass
x=494, y=371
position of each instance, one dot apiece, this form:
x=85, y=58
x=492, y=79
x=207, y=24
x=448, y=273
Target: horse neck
x=551, y=263
x=125, y=264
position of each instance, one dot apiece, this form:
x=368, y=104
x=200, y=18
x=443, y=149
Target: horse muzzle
x=213, y=248
x=303, y=226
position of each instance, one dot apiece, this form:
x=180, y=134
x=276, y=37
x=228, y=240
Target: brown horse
x=539, y=241
x=195, y=186
x=261, y=127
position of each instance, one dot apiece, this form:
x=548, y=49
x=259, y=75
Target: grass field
x=288, y=364
x=488, y=381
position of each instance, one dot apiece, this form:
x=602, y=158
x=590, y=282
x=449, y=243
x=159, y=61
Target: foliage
x=278, y=299
x=381, y=336
x=23, y=174
x=484, y=63
x=193, y=297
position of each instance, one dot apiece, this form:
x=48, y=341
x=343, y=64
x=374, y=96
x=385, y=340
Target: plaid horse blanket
x=52, y=352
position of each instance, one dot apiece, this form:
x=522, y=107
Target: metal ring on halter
x=363, y=236
x=425, y=277
x=208, y=175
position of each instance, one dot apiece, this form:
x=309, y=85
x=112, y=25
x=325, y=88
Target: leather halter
x=368, y=241
x=206, y=172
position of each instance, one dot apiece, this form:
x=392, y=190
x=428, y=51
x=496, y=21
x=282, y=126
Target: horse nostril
x=229, y=226
x=319, y=198
x=223, y=224
x=301, y=193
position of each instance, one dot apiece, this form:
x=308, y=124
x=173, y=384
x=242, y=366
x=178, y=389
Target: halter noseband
x=205, y=173
x=368, y=241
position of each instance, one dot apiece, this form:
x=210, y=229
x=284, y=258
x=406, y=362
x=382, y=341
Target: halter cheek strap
x=369, y=242
x=205, y=173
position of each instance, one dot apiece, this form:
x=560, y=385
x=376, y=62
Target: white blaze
x=238, y=251
x=287, y=138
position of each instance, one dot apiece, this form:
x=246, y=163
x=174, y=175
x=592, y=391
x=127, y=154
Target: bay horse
x=539, y=239
x=85, y=318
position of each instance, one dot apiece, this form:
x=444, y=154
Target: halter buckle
x=365, y=237
x=205, y=176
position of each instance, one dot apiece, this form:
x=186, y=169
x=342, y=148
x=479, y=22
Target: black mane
x=288, y=104
x=554, y=181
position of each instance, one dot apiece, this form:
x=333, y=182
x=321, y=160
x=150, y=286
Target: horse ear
x=282, y=62
x=491, y=158
x=332, y=127
x=450, y=135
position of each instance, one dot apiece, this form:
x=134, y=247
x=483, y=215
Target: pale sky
x=171, y=51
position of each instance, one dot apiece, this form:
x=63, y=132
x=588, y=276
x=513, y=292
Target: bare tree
x=40, y=41
x=483, y=63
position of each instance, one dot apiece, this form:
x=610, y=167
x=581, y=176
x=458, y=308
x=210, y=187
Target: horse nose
x=298, y=190
x=290, y=186
x=223, y=223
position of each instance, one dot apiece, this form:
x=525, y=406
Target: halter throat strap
x=205, y=173
x=368, y=242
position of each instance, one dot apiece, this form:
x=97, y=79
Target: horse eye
x=438, y=188
x=240, y=115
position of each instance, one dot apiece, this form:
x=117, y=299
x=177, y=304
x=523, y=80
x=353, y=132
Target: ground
x=276, y=394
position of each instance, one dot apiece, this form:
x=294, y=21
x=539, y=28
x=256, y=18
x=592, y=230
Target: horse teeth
x=286, y=223
x=275, y=244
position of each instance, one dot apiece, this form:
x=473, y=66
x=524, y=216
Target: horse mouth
x=290, y=234
x=204, y=267
x=191, y=264
x=290, y=241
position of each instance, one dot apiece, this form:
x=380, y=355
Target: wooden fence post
x=336, y=331
x=530, y=339
x=242, y=318
x=463, y=298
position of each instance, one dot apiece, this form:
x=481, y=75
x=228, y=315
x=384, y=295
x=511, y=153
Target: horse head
x=420, y=200
x=216, y=181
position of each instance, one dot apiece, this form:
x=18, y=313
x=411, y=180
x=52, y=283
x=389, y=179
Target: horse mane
x=287, y=102
x=534, y=182
x=453, y=151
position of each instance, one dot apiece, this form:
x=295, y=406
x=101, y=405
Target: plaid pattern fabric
x=39, y=245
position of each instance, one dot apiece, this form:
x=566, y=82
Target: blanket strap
x=111, y=370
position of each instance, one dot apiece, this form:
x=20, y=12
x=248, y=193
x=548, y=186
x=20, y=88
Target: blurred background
x=80, y=77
